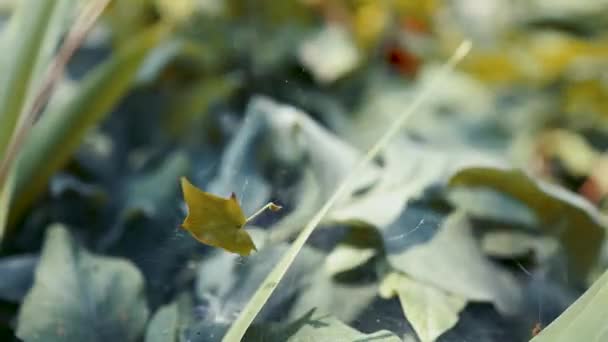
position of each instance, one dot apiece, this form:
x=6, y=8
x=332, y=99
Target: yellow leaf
x=216, y=221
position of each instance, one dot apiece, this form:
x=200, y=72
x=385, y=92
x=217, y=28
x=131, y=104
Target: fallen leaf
x=429, y=310
x=216, y=221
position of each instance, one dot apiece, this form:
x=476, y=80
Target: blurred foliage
x=483, y=220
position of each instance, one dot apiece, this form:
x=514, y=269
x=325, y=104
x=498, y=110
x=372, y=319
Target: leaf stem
x=269, y=206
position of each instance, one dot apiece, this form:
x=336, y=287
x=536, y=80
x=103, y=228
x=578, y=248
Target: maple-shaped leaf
x=216, y=221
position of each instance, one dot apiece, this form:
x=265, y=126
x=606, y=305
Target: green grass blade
x=6, y=194
x=61, y=128
x=57, y=26
x=23, y=43
x=584, y=320
x=252, y=308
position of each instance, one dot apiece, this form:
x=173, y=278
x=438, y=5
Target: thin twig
x=30, y=113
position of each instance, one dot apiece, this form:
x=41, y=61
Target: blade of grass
x=252, y=308
x=55, y=28
x=23, y=44
x=28, y=115
x=584, y=320
x=6, y=194
x=60, y=129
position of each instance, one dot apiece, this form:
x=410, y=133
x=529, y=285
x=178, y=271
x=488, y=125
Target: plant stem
x=269, y=205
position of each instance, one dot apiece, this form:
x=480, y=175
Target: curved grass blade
x=252, y=308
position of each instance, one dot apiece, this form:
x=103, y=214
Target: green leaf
x=452, y=261
x=492, y=205
x=345, y=257
x=352, y=177
x=345, y=301
x=430, y=311
x=401, y=179
x=26, y=39
x=229, y=284
x=359, y=246
x=61, y=128
x=150, y=193
x=585, y=320
x=315, y=326
x=570, y=218
x=79, y=296
x=147, y=194
x=16, y=276
x=517, y=244
x=163, y=327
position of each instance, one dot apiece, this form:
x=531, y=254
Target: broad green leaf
x=401, y=179
x=345, y=184
x=404, y=179
x=298, y=140
x=16, y=276
x=225, y=285
x=79, y=296
x=24, y=43
x=163, y=327
x=584, y=320
x=153, y=191
x=344, y=300
x=573, y=220
x=492, y=205
x=61, y=129
x=148, y=194
x=315, y=326
x=345, y=257
x=517, y=244
x=452, y=261
x=359, y=246
x=429, y=310
x=238, y=169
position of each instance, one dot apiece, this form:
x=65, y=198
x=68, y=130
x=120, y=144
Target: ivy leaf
x=164, y=324
x=345, y=301
x=315, y=326
x=429, y=310
x=452, y=261
x=216, y=221
x=573, y=220
x=78, y=296
x=16, y=276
